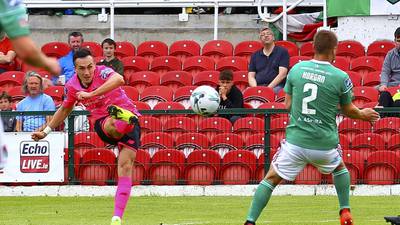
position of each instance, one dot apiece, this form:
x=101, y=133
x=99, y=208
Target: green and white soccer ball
x=205, y=100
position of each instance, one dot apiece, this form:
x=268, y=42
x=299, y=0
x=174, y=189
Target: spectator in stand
x=390, y=75
x=231, y=96
x=6, y=105
x=35, y=100
x=269, y=65
x=110, y=60
x=75, y=41
x=7, y=54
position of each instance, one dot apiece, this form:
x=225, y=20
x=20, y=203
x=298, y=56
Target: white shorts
x=290, y=160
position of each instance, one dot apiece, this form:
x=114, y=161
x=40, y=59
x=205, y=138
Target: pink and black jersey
x=98, y=104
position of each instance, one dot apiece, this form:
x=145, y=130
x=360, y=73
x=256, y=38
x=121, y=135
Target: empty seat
x=307, y=49
x=355, y=78
x=247, y=126
x=240, y=79
x=131, y=92
x=143, y=79
x=368, y=142
x=364, y=95
x=56, y=93
x=154, y=94
x=233, y=63
x=141, y=105
x=387, y=127
x=155, y=141
x=372, y=78
x=97, y=166
x=290, y=46
x=55, y=49
x=272, y=105
x=278, y=126
x=16, y=93
x=167, y=167
x=296, y=59
x=182, y=95
x=394, y=143
x=214, y=125
x=94, y=48
x=309, y=175
x=176, y=79
x=226, y=142
x=149, y=124
x=163, y=64
x=355, y=161
x=152, y=49
x=206, y=78
x=134, y=64
x=342, y=63
x=124, y=49
x=178, y=125
x=352, y=127
x=203, y=167
x=217, y=49
x=258, y=95
x=184, y=49
x=238, y=167
x=256, y=144
x=87, y=140
x=10, y=79
x=196, y=64
x=380, y=48
x=383, y=167
x=344, y=141
x=246, y=48
x=350, y=49
x=140, y=167
x=168, y=106
x=190, y=141
x=366, y=64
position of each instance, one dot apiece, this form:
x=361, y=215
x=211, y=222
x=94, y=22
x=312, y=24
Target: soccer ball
x=204, y=100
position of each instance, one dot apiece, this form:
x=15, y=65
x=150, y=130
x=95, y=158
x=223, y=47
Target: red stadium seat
x=143, y=79
x=366, y=64
x=56, y=49
x=278, y=126
x=387, y=127
x=280, y=96
x=344, y=142
x=87, y=140
x=364, y=95
x=134, y=64
x=184, y=49
x=94, y=47
x=155, y=141
x=296, y=59
x=355, y=161
x=342, y=63
x=240, y=79
x=203, y=167
x=309, y=175
x=150, y=124
x=176, y=79
x=380, y=48
x=190, y=141
x=394, y=143
x=206, y=78
x=248, y=126
x=77, y=161
x=56, y=93
x=393, y=90
x=290, y=46
x=368, y=142
x=131, y=92
x=163, y=64
x=97, y=166
x=167, y=167
x=179, y=125
x=272, y=105
x=217, y=49
x=45, y=74
x=307, y=49
x=16, y=94
x=383, y=168
x=182, y=95
x=168, y=106
x=258, y=95
x=233, y=63
x=238, y=167
x=124, y=49
x=226, y=142
x=141, y=105
x=352, y=127
x=196, y=64
x=152, y=49
x=140, y=167
x=350, y=49
x=372, y=78
x=355, y=78
x=256, y=143
x=10, y=79
x=246, y=48
x=154, y=94
x=214, y=125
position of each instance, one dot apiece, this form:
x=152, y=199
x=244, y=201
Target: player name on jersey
x=313, y=77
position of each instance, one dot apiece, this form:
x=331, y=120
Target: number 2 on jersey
x=308, y=99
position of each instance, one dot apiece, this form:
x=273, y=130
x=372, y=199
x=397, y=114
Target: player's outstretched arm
x=57, y=119
x=366, y=114
x=113, y=82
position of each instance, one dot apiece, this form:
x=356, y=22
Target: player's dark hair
x=226, y=75
x=4, y=95
x=75, y=34
x=81, y=53
x=109, y=41
x=324, y=42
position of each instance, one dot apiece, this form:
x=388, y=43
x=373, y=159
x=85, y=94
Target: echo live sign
x=34, y=157
x=31, y=161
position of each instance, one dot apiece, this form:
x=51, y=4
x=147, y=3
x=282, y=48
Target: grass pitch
x=282, y=210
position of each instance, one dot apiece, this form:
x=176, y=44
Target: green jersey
x=13, y=18
x=316, y=88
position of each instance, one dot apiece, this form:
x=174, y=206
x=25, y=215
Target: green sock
x=260, y=200
x=341, y=179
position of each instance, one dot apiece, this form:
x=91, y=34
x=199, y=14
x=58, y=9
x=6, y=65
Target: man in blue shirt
x=75, y=40
x=35, y=100
x=269, y=65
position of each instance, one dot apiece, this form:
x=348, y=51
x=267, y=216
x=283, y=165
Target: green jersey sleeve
x=288, y=85
x=13, y=20
x=346, y=91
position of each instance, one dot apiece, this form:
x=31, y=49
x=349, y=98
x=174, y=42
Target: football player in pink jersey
x=116, y=118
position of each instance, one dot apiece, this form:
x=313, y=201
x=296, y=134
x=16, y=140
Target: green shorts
x=13, y=18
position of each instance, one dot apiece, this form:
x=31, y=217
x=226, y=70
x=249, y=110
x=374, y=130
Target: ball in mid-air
x=205, y=100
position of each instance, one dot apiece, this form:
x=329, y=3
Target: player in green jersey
x=314, y=90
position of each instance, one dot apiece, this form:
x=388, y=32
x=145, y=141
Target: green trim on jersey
x=316, y=88
x=13, y=19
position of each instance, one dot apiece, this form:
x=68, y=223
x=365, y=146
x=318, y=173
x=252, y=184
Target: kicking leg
x=341, y=179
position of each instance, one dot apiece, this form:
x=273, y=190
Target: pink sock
x=123, y=127
x=122, y=195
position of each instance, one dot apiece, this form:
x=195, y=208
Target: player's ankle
x=249, y=223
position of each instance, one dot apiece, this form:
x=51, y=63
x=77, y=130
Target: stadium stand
x=233, y=63
x=167, y=167
x=290, y=46
x=383, y=167
x=206, y=78
x=238, y=167
x=350, y=49
x=217, y=49
x=380, y=48
x=97, y=167
x=240, y=79
x=307, y=49
x=196, y=64
x=258, y=95
x=176, y=79
x=152, y=49
x=184, y=49
x=191, y=141
x=94, y=47
x=140, y=167
x=246, y=48
x=55, y=49
x=163, y=64
x=124, y=49
x=203, y=167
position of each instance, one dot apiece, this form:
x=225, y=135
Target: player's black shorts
x=131, y=139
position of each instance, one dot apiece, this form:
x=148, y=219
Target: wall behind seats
x=139, y=28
